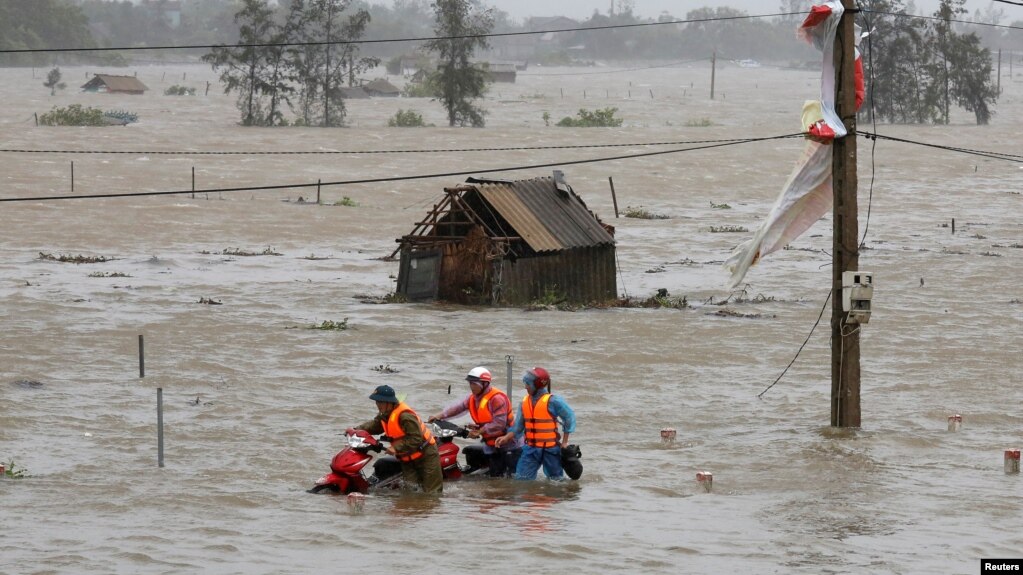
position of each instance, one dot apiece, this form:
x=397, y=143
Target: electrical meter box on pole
x=857, y=292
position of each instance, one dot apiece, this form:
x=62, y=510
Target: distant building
x=502, y=72
x=108, y=83
x=381, y=88
x=509, y=242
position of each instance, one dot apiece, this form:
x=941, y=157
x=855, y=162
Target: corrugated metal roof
x=548, y=220
x=118, y=83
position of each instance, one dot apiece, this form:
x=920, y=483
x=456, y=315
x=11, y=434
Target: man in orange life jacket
x=490, y=410
x=411, y=442
x=537, y=419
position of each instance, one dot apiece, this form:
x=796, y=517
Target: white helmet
x=479, y=375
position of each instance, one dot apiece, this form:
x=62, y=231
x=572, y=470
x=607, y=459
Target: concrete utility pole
x=845, y=338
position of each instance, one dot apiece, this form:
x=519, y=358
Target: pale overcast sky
x=581, y=9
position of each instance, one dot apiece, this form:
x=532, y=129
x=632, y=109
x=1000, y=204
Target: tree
x=53, y=81
x=967, y=65
x=42, y=24
x=244, y=66
x=917, y=69
x=321, y=69
x=461, y=26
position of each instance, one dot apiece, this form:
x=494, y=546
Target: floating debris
x=70, y=259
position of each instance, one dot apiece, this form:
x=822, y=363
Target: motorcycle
x=346, y=468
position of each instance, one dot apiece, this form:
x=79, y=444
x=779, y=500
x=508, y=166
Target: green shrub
x=73, y=115
x=176, y=90
x=419, y=90
x=699, y=123
x=406, y=119
x=597, y=119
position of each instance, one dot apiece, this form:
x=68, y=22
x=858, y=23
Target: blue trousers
x=533, y=457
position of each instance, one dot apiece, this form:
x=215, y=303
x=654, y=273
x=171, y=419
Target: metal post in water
x=1012, y=461
x=509, y=360
x=706, y=479
x=142, y=357
x=955, y=422
x=193, y=182
x=159, y=426
x=614, y=198
x=72, y=176
x=318, y=192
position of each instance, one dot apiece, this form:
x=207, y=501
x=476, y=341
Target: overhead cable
x=395, y=178
x=982, y=153
x=422, y=39
x=358, y=152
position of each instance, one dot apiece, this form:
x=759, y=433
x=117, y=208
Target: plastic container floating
x=356, y=501
x=706, y=479
x=668, y=435
x=955, y=422
x=1012, y=461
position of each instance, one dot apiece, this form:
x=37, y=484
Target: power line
x=467, y=36
x=982, y=153
x=422, y=39
x=359, y=152
x=397, y=178
x=1008, y=2
x=903, y=15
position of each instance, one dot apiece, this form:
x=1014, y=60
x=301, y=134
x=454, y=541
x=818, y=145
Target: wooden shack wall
x=582, y=275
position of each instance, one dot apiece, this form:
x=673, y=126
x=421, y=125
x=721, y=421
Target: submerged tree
x=244, y=66
x=461, y=26
x=967, y=65
x=328, y=66
x=918, y=69
x=53, y=81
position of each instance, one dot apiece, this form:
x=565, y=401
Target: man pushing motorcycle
x=537, y=419
x=411, y=442
x=491, y=413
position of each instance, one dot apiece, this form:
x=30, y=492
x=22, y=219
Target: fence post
x=509, y=361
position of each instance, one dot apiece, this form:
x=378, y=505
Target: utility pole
x=1000, y=71
x=845, y=337
x=713, y=71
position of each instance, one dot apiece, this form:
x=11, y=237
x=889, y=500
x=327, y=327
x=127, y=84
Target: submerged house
x=509, y=242
x=381, y=88
x=114, y=84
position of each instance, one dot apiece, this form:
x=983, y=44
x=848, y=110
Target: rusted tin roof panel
x=506, y=201
x=547, y=219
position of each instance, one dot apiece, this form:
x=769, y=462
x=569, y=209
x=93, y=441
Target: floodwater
x=254, y=403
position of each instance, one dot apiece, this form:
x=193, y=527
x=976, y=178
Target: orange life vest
x=393, y=430
x=541, y=429
x=482, y=415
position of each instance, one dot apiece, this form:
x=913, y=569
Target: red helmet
x=540, y=377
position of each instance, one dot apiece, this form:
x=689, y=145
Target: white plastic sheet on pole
x=807, y=195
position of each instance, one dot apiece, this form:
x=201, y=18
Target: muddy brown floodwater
x=253, y=409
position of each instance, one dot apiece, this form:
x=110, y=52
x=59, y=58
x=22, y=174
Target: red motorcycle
x=346, y=469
